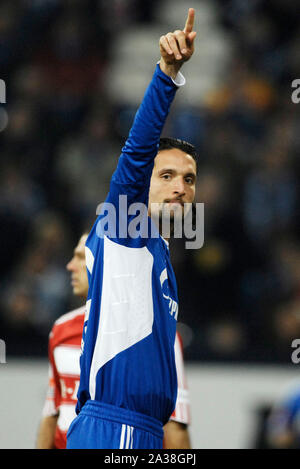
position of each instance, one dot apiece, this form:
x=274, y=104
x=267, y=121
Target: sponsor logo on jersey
x=173, y=305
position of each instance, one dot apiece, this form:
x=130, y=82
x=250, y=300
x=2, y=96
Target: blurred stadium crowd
x=60, y=139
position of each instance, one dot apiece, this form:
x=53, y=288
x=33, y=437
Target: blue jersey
x=129, y=332
x=285, y=415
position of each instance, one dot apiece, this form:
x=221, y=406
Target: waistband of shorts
x=123, y=416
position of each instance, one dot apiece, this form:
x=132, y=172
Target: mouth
x=174, y=202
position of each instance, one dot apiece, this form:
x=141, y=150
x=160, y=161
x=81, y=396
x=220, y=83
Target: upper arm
x=53, y=388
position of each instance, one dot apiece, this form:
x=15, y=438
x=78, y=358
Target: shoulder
x=71, y=316
x=68, y=327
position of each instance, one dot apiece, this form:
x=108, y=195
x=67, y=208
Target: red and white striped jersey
x=64, y=371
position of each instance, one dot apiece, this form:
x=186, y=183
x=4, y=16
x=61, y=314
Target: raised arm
x=137, y=158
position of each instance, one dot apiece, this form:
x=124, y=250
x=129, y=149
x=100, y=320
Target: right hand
x=177, y=47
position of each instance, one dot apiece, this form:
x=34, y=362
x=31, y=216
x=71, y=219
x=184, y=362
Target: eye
x=167, y=177
x=189, y=180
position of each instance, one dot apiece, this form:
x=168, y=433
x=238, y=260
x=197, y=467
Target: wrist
x=169, y=69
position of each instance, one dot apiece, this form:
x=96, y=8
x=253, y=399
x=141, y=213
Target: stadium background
x=75, y=72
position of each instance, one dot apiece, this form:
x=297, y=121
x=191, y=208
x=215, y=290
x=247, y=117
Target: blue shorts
x=103, y=426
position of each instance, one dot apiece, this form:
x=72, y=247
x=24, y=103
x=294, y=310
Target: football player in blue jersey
x=128, y=382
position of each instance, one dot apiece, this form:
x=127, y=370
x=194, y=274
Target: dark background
x=60, y=138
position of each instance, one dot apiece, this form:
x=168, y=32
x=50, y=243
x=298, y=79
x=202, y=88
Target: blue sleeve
x=131, y=181
x=133, y=173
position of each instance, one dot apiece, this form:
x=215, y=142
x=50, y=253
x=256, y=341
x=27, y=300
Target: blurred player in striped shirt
x=64, y=371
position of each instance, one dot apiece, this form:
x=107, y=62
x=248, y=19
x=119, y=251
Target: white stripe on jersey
x=131, y=437
x=67, y=359
x=66, y=416
x=126, y=435
x=122, y=436
x=179, y=364
x=89, y=259
x=87, y=312
x=182, y=409
x=126, y=303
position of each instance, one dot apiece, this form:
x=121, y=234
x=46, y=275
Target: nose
x=70, y=265
x=179, y=186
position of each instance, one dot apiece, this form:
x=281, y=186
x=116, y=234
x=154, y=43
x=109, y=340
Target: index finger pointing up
x=189, y=24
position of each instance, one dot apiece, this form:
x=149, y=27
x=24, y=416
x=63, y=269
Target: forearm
x=136, y=161
x=171, y=70
x=176, y=436
x=46, y=433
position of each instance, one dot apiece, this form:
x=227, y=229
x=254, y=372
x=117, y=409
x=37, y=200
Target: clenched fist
x=177, y=47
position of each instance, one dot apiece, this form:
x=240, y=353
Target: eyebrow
x=171, y=170
x=193, y=175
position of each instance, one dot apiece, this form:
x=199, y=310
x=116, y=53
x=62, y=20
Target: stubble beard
x=166, y=218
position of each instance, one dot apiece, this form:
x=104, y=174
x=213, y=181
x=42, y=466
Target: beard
x=170, y=219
